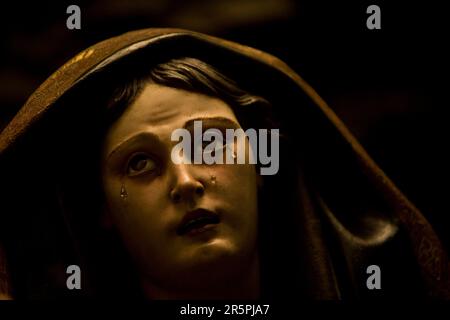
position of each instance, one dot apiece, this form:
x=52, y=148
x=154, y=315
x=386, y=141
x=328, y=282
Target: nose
x=187, y=186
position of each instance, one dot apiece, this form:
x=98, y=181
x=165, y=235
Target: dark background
x=389, y=86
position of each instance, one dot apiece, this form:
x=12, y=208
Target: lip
x=198, y=221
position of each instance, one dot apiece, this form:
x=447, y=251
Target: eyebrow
x=143, y=136
x=211, y=122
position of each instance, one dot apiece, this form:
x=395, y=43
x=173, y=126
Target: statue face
x=180, y=222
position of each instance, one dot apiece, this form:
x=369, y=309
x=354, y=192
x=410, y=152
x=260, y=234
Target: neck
x=244, y=286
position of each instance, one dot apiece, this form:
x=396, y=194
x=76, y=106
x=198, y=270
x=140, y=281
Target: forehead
x=160, y=110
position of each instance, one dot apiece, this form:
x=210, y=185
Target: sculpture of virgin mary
x=87, y=180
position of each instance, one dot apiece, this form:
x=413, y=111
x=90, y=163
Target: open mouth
x=197, y=221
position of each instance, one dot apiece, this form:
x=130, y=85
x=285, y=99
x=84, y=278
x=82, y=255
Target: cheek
x=237, y=186
x=140, y=213
x=244, y=199
x=238, y=179
x=142, y=220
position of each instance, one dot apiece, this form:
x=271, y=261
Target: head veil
x=333, y=212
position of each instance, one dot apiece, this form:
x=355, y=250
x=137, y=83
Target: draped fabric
x=330, y=213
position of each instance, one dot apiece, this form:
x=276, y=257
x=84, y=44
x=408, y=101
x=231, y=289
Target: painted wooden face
x=180, y=222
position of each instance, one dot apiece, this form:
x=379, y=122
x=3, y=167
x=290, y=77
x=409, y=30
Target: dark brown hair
x=194, y=75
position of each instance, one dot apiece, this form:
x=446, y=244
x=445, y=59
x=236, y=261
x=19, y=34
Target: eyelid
x=132, y=156
x=221, y=130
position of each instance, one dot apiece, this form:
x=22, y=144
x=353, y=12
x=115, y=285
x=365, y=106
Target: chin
x=215, y=249
x=200, y=264
x=217, y=254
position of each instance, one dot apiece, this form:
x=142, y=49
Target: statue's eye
x=213, y=147
x=212, y=141
x=140, y=163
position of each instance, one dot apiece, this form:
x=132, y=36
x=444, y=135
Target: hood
x=359, y=205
